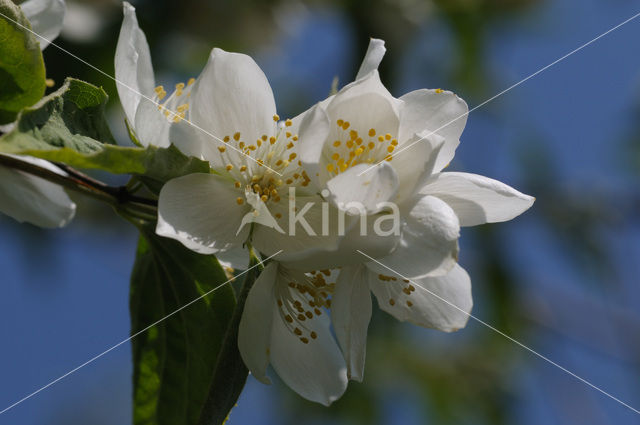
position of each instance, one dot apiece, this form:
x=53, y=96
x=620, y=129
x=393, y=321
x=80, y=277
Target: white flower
x=367, y=125
x=45, y=17
x=255, y=166
x=25, y=197
x=285, y=323
x=149, y=109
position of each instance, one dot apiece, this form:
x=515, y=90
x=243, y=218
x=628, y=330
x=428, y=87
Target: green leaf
x=69, y=126
x=22, y=74
x=230, y=372
x=174, y=361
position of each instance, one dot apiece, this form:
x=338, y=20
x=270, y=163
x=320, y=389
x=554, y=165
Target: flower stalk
x=120, y=197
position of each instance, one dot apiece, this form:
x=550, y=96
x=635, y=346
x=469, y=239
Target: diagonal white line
x=471, y=316
x=173, y=113
x=404, y=148
x=91, y=360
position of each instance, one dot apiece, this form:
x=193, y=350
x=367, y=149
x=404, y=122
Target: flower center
x=267, y=166
x=301, y=301
x=175, y=107
x=353, y=148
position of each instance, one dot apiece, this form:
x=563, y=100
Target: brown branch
x=79, y=182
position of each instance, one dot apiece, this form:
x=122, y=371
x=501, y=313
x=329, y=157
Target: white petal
x=201, y=212
x=373, y=57
x=46, y=17
x=366, y=104
x=27, y=198
x=151, y=126
x=477, y=199
x=364, y=186
x=194, y=142
x=442, y=113
x=315, y=370
x=259, y=214
x=296, y=241
x=357, y=237
x=232, y=95
x=254, y=331
x=236, y=258
x=442, y=302
x=417, y=165
x=313, y=132
x=350, y=314
x=429, y=242
x=134, y=72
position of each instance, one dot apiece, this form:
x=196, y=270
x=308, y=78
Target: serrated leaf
x=174, y=361
x=22, y=74
x=68, y=126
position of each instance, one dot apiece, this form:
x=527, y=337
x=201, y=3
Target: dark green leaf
x=174, y=361
x=22, y=75
x=68, y=126
x=230, y=373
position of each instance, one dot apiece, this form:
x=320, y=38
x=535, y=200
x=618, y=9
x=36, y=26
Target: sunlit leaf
x=22, y=75
x=69, y=126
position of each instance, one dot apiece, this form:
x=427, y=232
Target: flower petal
x=439, y=112
x=442, y=302
x=314, y=130
x=194, y=142
x=359, y=234
x=359, y=185
x=151, y=126
x=46, y=17
x=232, y=95
x=201, y=212
x=477, y=199
x=254, y=331
x=366, y=104
x=429, y=241
x=350, y=314
x=259, y=214
x=414, y=167
x=373, y=57
x=316, y=370
x=134, y=72
x=310, y=230
x=28, y=198
x=236, y=258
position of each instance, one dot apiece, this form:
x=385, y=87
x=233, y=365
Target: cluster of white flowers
x=315, y=192
x=339, y=153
